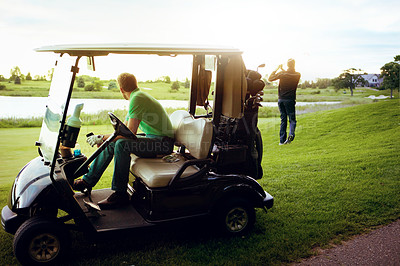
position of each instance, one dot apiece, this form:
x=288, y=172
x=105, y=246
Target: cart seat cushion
x=157, y=172
x=194, y=134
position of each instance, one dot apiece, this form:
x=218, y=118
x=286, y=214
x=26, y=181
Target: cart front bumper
x=10, y=221
x=268, y=201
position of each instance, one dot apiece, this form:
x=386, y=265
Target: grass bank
x=338, y=178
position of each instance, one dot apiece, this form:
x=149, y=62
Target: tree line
x=17, y=77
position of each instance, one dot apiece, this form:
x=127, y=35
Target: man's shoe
x=280, y=143
x=115, y=200
x=81, y=185
x=289, y=140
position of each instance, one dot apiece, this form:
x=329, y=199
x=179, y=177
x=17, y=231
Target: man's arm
x=275, y=76
x=133, y=124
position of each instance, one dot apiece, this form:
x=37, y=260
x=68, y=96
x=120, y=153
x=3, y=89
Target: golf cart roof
x=137, y=48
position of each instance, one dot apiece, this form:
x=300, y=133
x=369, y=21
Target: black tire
x=41, y=240
x=235, y=217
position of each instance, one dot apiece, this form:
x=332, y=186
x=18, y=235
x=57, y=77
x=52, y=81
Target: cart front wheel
x=235, y=217
x=40, y=241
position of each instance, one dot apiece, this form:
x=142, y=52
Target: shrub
x=89, y=87
x=2, y=87
x=17, y=80
x=98, y=85
x=175, y=86
x=112, y=85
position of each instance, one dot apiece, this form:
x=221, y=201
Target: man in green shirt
x=145, y=113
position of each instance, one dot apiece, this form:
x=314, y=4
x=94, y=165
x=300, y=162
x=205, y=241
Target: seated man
x=145, y=113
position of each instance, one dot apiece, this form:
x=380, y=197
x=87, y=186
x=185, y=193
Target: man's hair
x=291, y=63
x=127, y=82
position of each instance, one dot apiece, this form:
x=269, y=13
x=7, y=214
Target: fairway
x=339, y=177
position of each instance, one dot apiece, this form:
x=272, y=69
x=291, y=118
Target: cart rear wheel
x=40, y=240
x=235, y=216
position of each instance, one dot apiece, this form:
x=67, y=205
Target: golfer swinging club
x=288, y=81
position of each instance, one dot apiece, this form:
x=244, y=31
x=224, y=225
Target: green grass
x=162, y=91
x=159, y=90
x=328, y=94
x=17, y=148
x=338, y=178
x=27, y=89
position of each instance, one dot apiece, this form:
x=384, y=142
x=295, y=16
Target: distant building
x=373, y=80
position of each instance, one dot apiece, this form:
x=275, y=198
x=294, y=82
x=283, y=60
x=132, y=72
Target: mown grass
x=159, y=90
x=162, y=91
x=338, y=178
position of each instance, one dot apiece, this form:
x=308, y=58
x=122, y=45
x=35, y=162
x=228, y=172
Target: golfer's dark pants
x=287, y=109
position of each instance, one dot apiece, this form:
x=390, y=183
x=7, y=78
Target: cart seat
x=158, y=172
x=194, y=134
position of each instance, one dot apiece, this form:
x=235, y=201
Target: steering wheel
x=120, y=128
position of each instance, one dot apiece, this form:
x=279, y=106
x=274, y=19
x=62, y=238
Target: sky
x=324, y=37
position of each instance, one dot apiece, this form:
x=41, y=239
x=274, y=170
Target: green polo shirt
x=153, y=118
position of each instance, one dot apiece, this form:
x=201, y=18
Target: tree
x=390, y=73
x=81, y=82
x=323, y=83
x=2, y=78
x=187, y=83
x=350, y=78
x=15, y=72
x=28, y=76
x=50, y=73
x=313, y=85
x=39, y=78
x=175, y=86
x=306, y=84
x=167, y=79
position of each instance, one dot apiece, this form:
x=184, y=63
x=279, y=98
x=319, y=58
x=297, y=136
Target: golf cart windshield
x=56, y=106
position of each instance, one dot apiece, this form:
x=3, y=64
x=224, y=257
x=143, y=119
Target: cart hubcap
x=236, y=219
x=44, y=247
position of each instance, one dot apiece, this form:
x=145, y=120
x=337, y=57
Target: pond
x=26, y=107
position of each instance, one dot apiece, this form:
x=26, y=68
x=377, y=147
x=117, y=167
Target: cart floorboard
x=124, y=217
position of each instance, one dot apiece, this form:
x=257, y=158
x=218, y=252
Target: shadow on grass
x=185, y=242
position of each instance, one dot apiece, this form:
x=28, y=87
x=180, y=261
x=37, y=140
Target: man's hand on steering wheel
x=95, y=140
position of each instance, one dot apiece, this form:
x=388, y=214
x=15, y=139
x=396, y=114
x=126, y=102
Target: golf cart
x=212, y=172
